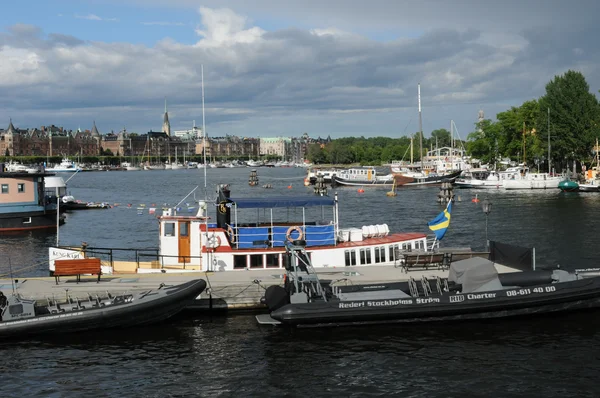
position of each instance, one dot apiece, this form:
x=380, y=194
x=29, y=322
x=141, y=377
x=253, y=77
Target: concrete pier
x=232, y=290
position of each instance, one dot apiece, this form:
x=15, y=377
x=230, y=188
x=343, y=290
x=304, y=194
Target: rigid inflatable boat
x=473, y=289
x=22, y=317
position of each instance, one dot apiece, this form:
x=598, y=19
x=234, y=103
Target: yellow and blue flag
x=440, y=224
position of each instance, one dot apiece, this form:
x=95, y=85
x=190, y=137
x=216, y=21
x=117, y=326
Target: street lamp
x=487, y=209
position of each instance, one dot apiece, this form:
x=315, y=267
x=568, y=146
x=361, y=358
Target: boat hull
x=404, y=180
x=548, y=298
x=26, y=221
x=146, y=308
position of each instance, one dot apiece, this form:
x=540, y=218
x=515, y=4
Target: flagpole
x=433, y=244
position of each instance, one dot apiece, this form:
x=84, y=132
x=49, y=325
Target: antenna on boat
x=12, y=280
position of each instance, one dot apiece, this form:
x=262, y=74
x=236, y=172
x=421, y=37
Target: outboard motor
x=276, y=297
x=223, y=210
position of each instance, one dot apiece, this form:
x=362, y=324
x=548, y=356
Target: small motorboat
x=473, y=289
x=23, y=317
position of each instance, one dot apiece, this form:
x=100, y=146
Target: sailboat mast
x=203, y=128
x=451, y=147
x=420, y=128
x=549, y=162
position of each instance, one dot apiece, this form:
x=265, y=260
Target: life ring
x=296, y=228
x=214, y=242
x=231, y=234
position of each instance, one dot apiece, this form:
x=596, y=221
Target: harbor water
x=232, y=356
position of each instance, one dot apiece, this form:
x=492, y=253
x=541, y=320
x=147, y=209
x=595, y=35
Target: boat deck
x=231, y=290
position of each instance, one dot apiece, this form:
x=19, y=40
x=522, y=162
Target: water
x=232, y=356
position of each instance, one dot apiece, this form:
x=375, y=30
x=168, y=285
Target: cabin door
x=184, y=242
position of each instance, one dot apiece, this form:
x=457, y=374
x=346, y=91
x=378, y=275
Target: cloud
x=323, y=79
x=94, y=17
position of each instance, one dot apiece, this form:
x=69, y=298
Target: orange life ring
x=231, y=234
x=296, y=228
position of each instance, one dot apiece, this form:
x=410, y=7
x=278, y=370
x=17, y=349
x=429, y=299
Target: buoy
x=360, y=190
x=306, y=182
x=289, y=187
x=475, y=199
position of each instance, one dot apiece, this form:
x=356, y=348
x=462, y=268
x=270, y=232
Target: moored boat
x=25, y=203
x=473, y=289
x=243, y=240
x=22, y=317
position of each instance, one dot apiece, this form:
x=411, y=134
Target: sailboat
x=410, y=176
x=131, y=166
x=524, y=179
x=175, y=165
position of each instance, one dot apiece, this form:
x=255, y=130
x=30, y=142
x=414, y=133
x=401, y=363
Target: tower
x=166, y=128
x=480, y=119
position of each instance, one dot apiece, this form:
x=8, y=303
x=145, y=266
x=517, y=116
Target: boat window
x=382, y=251
x=26, y=220
x=20, y=188
x=368, y=251
x=239, y=262
x=391, y=253
x=4, y=188
x=169, y=229
x=353, y=257
x=363, y=258
x=347, y=257
x=376, y=254
x=16, y=309
x=272, y=260
x=256, y=261
x=183, y=229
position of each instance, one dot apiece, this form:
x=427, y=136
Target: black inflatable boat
x=473, y=289
x=21, y=317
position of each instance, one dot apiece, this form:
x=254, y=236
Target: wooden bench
x=426, y=260
x=78, y=267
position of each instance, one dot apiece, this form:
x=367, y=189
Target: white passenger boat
x=242, y=240
x=65, y=166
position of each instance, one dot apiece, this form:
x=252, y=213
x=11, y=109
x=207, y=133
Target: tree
x=574, y=117
x=441, y=137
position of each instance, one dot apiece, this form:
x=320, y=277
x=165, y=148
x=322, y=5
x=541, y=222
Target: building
x=278, y=146
x=230, y=147
x=49, y=141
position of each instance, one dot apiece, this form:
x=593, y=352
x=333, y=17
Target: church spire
x=166, y=124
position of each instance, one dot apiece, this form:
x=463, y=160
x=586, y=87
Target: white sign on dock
x=55, y=253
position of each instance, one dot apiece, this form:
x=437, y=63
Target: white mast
x=420, y=128
x=451, y=146
x=203, y=130
x=549, y=162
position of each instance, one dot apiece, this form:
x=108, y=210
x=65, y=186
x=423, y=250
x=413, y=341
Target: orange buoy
x=289, y=187
x=306, y=182
x=360, y=190
x=475, y=199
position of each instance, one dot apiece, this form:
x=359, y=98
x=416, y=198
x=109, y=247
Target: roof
x=281, y=201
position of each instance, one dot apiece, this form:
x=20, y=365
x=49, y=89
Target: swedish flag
x=440, y=224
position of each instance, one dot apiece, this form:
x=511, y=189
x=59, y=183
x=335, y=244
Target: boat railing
x=107, y=255
x=269, y=236
x=187, y=260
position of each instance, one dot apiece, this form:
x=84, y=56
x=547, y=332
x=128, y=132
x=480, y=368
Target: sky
x=280, y=68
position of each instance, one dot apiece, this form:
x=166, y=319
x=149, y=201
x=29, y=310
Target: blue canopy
x=281, y=201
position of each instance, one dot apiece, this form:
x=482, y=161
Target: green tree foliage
x=521, y=133
x=441, y=136
x=574, y=117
